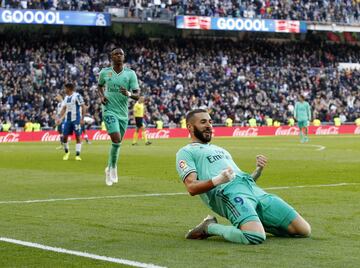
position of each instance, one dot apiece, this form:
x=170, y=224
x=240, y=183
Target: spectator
x=248, y=79
x=329, y=11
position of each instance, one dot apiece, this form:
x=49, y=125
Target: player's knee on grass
x=255, y=238
x=254, y=232
x=252, y=226
x=299, y=227
x=244, y=237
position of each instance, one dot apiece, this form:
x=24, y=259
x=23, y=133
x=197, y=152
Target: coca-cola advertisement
x=152, y=134
x=9, y=137
x=47, y=136
x=245, y=132
x=159, y=134
x=287, y=26
x=100, y=136
x=327, y=130
x=287, y=131
x=357, y=130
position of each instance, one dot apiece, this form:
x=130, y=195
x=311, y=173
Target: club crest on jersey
x=182, y=164
x=110, y=75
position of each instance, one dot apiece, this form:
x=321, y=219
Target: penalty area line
x=80, y=253
x=161, y=194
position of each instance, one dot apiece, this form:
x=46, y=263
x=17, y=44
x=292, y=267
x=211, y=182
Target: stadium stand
x=324, y=10
x=83, y=5
x=239, y=80
x=347, y=11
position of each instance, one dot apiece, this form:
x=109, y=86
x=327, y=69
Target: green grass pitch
x=151, y=229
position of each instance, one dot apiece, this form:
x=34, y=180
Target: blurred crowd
x=238, y=80
x=345, y=11
x=342, y=11
x=82, y=5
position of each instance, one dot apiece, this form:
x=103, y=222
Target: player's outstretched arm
x=195, y=186
x=261, y=161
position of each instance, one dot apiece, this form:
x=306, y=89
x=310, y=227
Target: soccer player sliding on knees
x=209, y=171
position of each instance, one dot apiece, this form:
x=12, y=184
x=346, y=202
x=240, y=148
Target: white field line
x=89, y=198
x=319, y=147
x=79, y=253
x=286, y=148
x=311, y=186
x=159, y=194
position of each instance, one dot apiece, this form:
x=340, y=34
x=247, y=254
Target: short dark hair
x=115, y=48
x=191, y=114
x=70, y=86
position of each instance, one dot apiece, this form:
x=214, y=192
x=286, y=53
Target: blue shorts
x=70, y=127
x=60, y=128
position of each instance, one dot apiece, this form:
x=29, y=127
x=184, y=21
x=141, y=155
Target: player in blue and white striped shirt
x=73, y=112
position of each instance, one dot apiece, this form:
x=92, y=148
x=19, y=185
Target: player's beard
x=203, y=137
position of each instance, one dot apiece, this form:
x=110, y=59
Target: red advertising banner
x=46, y=136
x=287, y=26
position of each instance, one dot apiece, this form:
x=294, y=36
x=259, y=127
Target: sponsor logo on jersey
x=214, y=158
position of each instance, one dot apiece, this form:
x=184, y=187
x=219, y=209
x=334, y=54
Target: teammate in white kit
x=59, y=127
x=88, y=121
x=73, y=111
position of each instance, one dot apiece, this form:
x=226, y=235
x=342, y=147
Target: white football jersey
x=73, y=107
